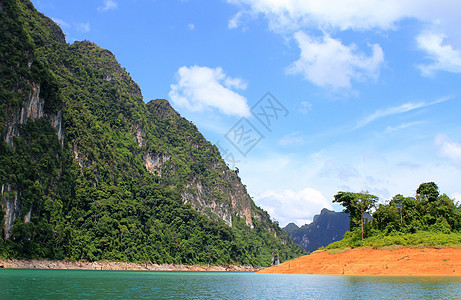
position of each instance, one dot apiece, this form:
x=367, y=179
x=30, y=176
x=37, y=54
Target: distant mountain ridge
x=327, y=227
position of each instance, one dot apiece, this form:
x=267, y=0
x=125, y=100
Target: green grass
x=423, y=238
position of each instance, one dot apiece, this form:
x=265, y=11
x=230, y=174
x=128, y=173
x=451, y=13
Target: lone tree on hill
x=356, y=205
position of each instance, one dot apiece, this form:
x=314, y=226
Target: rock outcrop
x=32, y=109
x=11, y=207
x=221, y=198
x=222, y=201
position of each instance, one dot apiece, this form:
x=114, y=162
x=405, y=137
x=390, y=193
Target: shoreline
x=367, y=261
x=118, y=266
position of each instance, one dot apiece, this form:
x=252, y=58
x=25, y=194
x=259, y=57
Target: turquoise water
x=59, y=284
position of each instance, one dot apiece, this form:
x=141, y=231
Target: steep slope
x=326, y=228
x=89, y=171
x=190, y=162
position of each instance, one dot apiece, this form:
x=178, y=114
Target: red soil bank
x=367, y=261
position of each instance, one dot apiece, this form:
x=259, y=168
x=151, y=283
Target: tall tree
x=428, y=191
x=348, y=201
x=365, y=202
x=356, y=204
x=397, y=201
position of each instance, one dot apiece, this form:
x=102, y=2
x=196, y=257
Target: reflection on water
x=32, y=284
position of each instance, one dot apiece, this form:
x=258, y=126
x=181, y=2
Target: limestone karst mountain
x=326, y=228
x=89, y=171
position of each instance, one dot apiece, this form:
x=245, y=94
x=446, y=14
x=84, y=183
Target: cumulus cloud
x=108, y=5
x=444, y=56
x=293, y=206
x=348, y=14
x=199, y=88
x=328, y=63
x=333, y=16
x=448, y=148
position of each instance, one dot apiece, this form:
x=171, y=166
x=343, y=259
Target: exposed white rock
x=11, y=207
x=140, y=136
x=154, y=162
x=33, y=109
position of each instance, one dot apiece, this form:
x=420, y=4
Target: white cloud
x=304, y=107
x=234, y=22
x=456, y=196
x=199, y=88
x=293, y=206
x=348, y=14
x=343, y=172
x=403, y=126
x=328, y=63
x=346, y=166
x=448, y=148
x=61, y=23
x=291, y=139
x=333, y=16
x=191, y=26
x=235, y=83
x=108, y=5
x=381, y=113
x=83, y=27
x=445, y=57
x=342, y=14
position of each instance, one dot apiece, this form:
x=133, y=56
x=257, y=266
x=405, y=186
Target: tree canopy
x=357, y=205
x=428, y=217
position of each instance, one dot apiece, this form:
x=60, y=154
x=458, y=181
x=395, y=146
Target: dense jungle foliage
x=86, y=194
x=429, y=218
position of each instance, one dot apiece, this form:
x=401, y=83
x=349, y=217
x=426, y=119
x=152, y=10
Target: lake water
x=59, y=284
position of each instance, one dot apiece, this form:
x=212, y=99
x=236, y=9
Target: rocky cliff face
x=88, y=170
x=12, y=208
x=32, y=109
x=221, y=201
x=221, y=197
x=27, y=95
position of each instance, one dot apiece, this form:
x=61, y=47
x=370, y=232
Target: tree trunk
x=361, y=221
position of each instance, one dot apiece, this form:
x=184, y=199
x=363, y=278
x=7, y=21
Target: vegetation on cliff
x=428, y=219
x=88, y=171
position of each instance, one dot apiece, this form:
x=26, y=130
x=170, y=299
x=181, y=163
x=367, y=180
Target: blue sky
x=364, y=94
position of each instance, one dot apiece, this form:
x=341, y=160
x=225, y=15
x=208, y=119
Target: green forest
x=429, y=218
x=75, y=179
